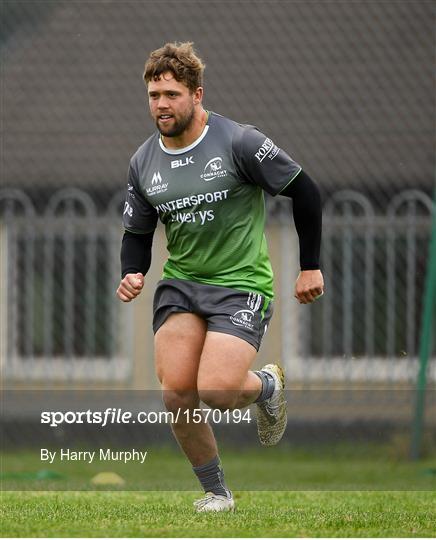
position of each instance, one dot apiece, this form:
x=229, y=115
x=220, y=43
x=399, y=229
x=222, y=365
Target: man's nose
x=162, y=102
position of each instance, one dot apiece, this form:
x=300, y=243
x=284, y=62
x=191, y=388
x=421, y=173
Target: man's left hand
x=309, y=286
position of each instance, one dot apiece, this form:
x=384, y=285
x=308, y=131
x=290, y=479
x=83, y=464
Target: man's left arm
x=306, y=201
x=259, y=161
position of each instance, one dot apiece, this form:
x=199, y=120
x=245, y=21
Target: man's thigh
x=226, y=310
x=225, y=361
x=178, y=348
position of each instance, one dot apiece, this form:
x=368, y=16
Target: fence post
x=425, y=340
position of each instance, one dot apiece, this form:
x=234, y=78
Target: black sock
x=211, y=476
x=268, y=385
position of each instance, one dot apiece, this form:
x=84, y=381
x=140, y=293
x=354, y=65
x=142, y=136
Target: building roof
x=346, y=88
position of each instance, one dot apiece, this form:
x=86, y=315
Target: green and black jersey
x=209, y=196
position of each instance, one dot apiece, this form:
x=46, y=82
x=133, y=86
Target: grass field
x=259, y=514
x=283, y=468
x=315, y=494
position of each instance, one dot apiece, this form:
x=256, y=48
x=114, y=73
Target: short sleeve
x=261, y=162
x=139, y=216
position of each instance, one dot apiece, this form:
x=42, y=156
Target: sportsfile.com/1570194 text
x=113, y=415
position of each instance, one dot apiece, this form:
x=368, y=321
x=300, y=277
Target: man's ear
x=198, y=95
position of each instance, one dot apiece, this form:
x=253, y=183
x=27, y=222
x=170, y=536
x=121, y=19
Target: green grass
x=279, y=469
x=342, y=491
x=259, y=514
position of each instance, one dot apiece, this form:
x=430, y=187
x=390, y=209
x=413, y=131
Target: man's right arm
x=135, y=263
x=139, y=220
x=136, y=253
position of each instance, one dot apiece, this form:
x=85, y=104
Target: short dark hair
x=178, y=58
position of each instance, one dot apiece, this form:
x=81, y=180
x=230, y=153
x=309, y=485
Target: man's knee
x=222, y=398
x=180, y=400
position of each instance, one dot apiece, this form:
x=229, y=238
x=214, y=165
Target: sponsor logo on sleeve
x=128, y=209
x=158, y=185
x=213, y=169
x=268, y=148
x=130, y=191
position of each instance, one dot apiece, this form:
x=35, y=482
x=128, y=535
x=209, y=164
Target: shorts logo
x=253, y=301
x=243, y=317
x=213, y=169
x=268, y=148
x=157, y=185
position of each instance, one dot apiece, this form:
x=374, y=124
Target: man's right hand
x=130, y=286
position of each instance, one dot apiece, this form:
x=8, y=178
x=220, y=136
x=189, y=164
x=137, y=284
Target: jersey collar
x=175, y=151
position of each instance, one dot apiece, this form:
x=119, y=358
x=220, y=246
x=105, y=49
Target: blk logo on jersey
x=158, y=186
x=182, y=162
x=213, y=169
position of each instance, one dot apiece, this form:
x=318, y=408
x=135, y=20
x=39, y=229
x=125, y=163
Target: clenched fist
x=130, y=286
x=309, y=286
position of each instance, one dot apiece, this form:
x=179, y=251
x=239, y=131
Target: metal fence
x=59, y=269
x=367, y=326
x=59, y=272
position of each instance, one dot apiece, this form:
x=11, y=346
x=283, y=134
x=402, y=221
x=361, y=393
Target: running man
x=203, y=176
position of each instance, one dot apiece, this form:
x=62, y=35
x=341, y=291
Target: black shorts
x=230, y=311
